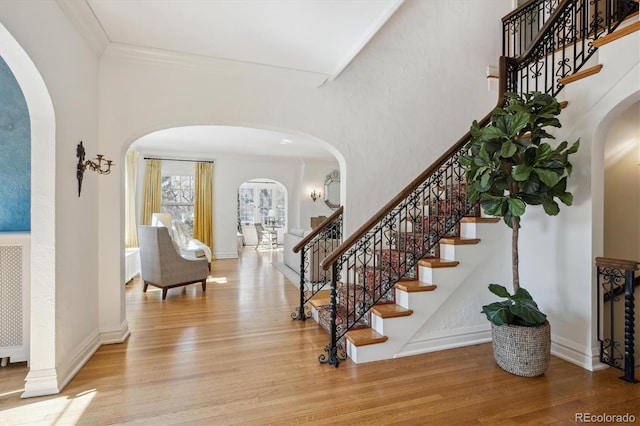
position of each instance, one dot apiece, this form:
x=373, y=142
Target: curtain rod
x=179, y=159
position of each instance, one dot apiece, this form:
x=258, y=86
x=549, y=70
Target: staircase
x=393, y=274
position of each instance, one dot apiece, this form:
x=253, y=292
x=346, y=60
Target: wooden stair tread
x=581, y=74
x=365, y=336
x=619, y=33
x=459, y=241
x=390, y=310
x=471, y=219
x=438, y=263
x=322, y=298
x=415, y=286
x=321, y=294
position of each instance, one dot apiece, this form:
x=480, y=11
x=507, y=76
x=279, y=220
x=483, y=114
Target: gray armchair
x=162, y=265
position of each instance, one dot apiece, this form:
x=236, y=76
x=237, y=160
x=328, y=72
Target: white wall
x=65, y=234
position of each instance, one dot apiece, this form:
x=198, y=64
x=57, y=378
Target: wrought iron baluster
x=616, y=277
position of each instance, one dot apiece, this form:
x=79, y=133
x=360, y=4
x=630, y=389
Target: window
x=177, y=199
x=262, y=202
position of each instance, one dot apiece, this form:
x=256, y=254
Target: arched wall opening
x=614, y=158
x=42, y=378
x=229, y=172
x=262, y=201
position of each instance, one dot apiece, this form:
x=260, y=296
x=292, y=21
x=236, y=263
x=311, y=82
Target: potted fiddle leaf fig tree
x=509, y=166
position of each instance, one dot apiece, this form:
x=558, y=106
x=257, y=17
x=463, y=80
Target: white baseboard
x=447, y=339
x=51, y=381
x=115, y=336
x=41, y=382
x=84, y=353
x=226, y=255
x=576, y=354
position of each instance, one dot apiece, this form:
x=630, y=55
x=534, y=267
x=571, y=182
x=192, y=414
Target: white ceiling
x=212, y=142
x=315, y=36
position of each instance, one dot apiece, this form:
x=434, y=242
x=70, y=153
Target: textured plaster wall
x=15, y=155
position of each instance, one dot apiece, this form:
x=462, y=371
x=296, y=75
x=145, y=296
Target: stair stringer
x=401, y=330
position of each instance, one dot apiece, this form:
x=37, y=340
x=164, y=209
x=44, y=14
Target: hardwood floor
x=232, y=355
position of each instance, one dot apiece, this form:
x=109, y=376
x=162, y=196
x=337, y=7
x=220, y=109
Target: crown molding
x=118, y=51
x=81, y=16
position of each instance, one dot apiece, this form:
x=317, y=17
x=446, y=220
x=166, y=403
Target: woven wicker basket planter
x=523, y=351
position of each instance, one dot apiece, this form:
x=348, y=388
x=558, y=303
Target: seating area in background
x=266, y=238
x=162, y=264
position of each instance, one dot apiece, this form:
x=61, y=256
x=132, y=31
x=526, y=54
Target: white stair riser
x=424, y=304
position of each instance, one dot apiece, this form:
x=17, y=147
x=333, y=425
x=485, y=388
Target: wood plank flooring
x=233, y=355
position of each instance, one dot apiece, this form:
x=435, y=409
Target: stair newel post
x=302, y=316
x=629, y=324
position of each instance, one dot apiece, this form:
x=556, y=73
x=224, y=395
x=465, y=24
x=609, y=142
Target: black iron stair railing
x=365, y=268
x=615, y=277
x=564, y=43
x=313, y=248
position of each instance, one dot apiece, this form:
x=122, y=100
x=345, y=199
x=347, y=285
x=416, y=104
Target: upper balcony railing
x=563, y=43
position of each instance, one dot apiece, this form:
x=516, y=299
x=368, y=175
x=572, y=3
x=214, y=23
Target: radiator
x=14, y=297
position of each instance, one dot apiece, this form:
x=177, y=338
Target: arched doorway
x=262, y=201
x=42, y=378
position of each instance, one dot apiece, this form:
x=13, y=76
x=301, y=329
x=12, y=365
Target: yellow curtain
x=151, y=195
x=203, y=204
x=130, y=225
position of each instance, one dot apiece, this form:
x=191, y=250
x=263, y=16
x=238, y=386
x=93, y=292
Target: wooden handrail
x=542, y=32
x=517, y=10
x=317, y=229
x=376, y=218
x=608, y=262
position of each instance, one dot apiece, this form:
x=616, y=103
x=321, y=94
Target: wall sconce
x=315, y=195
x=100, y=165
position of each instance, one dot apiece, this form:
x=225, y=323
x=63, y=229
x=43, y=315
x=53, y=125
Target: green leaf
x=484, y=180
x=522, y=294
x=498, y=312
x=548, y=177
x=566, y=198
x=518, y=122
x=532, y=199
x=491, y=132
x=508, y=149
x=521, y=172
x=516, y=207
x=574, y=147
x=499, y=290
x=543, y=152
x=472, y=193
x=484, y=156
x=529, y=313
x=492, y=205
x=465, y=161
x=551, y=207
